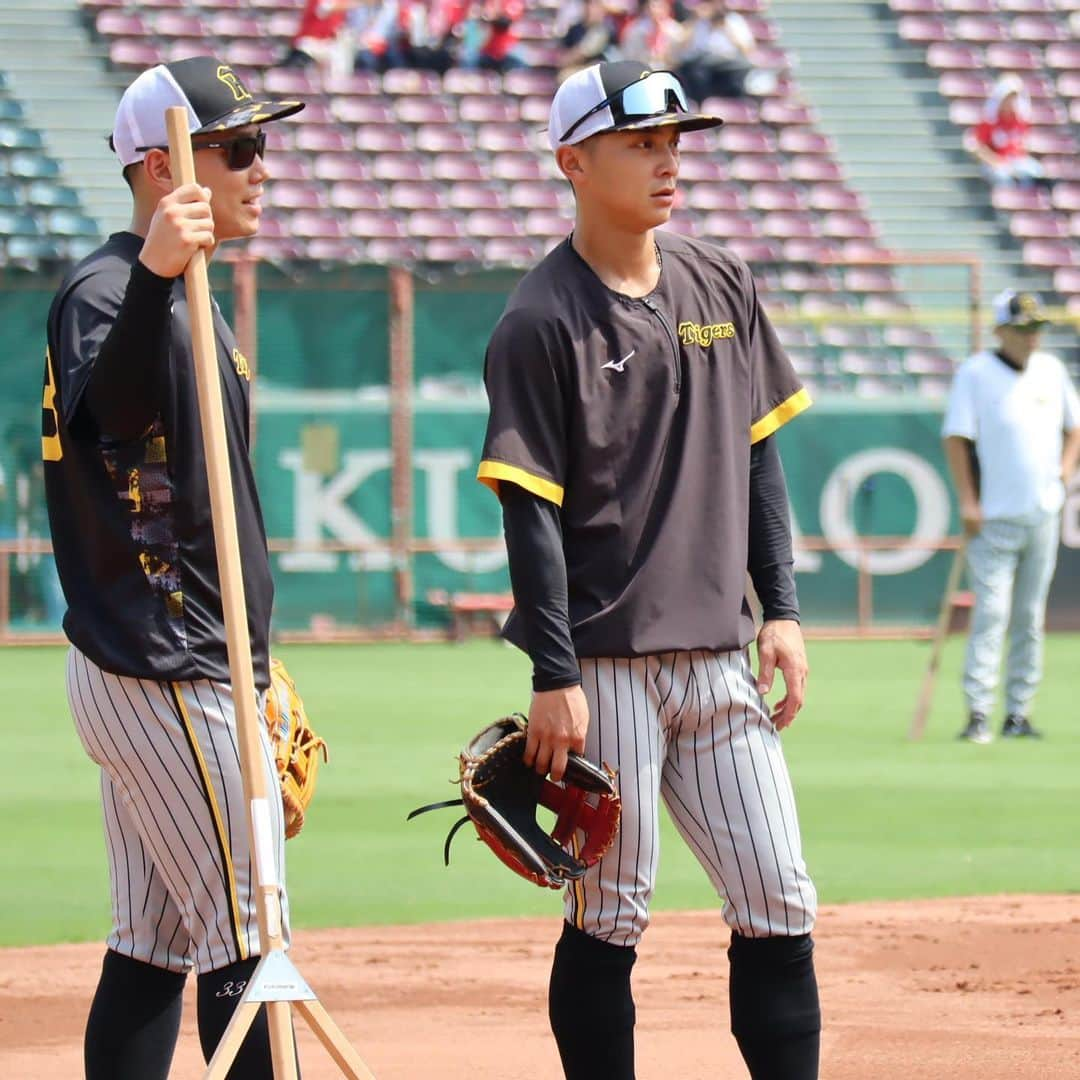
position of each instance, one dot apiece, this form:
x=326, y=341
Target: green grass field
x=881, y=817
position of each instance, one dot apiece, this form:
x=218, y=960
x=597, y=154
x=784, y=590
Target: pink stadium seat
x=970, y=7
x=1068, y=84
x=869, y=279
x=698, y=142
x=357, y=195
x=1008, y=56
x=965, y=84
x=180, y=24
x=257, y=54
x=297, y=195
x=361, y=110
x=809, y=250
x=341, y=167
x=1047, y=141
x=1063, y=56
x=964, y=112
x=393, y=250
x=816, y=170
x=1007, y=197
x=423, y=110
x=833, y=197
x=511, y=251
x=908, y=337
x=452, y=250
x=115, y=23
x=162, y=4
x=546, y=223
x=538, y=195
x=786, y=113
x=753, y=169
x=487, y=223
x=457, y=167
x=516, y=166
x=843, y=225
x=535, y=110
x=231, y=24
x=477, y=109
x=1074, y=225
x=406, y=81
x=435, y=223
x=373, y=223
x=463, y=81
x=927, y=361
x=382, y=139
x=752, y=250
x=733, y=111
x=528, y=82
x=1066, y=196
x=273, y=250
x=358, y=84
x=799, y=280
x=98, y=5
x=442, y=139
x=401, y=167
x=417, y=195
x=318, y=223
x=1037, y=29
x=501, y=138
x=1048, y=113
x=132, y=53
x=338, y=251
x=1067, y=281
x=777, y=197
x=1050, y=253
x=980, y=28
x=804, y=141
x=317, y=111
x=286, y=166
x=922, y=29
x=281, y=25
x=468, y=195
x=322, y=139
x=280, y=137
x=916, y=7
x=685, y=224
x=1037, y=85
x=848, y=337
x=951, y=56
x=182, y=48
x=702, y=170
x=747, y=140
x=725, y=225
x=716, y=197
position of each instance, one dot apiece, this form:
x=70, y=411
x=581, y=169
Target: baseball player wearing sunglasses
x=635, y=384
x=147, y=672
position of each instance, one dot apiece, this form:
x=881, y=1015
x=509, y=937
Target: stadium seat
x=1009, y=56
x=538, y=195
x=335, y=166
x=923, y=29
x=809, y=249
x=953, y=56
x=372, y=223
x=706, y=196
x=16, y=137
x=113, y=22
x=427, y=224
x=747, y=140
x=733, y=111
x=418, y=111
x=1050, y=253
x=544, y=223
x=361, y=110
x=318, y=140
x=457, y=167
x=443, y=139
x=401, y=167
x=1038, y=29
x=417, y=195
x=383, y=139
x=469, y=195
x=297, y=195
x=462, y=81
x=477, y=109
x=1009, y=197
x=1066, y=196
x=318, y=223
x=753, y=169
x=797, y=140
x=510, y=251
x=777, y=197
x=335, y=251
x=724, y=226
x=357, y=195
x=399, y=81
x=750, y=249
x=440, y=250
x=516, y=166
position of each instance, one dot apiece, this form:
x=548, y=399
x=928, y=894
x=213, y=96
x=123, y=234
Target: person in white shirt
x=1012, y=440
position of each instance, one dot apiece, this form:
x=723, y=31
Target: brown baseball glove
x=296, y=747
x=501, y=795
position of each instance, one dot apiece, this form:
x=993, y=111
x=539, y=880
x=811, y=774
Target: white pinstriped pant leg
x=175, y=816
x=691, y=728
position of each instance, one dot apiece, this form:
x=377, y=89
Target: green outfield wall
x=322, y=452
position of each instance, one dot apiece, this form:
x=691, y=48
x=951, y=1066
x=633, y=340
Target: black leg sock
x=775, y=1014
x=134, y=1021
x=590, y=1007
x=218, y=995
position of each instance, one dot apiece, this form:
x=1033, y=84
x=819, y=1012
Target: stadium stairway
x=879, y=102
x=61, y=78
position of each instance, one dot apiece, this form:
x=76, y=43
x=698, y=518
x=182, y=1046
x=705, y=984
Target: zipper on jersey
x=671, y=337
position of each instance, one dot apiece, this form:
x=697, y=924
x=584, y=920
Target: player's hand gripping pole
x=937, y=647
x=275, y=982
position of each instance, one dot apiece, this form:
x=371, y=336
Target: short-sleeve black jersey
x=130, y=518
x=636, y=417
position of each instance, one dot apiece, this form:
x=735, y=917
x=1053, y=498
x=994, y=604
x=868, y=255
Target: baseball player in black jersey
x=129, y=508
x=635, y=384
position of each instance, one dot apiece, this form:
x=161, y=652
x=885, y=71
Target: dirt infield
x=983, y=988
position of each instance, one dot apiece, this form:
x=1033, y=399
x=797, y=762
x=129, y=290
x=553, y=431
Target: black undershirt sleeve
x=771, y=563
x=124, y=390
x=538, y=576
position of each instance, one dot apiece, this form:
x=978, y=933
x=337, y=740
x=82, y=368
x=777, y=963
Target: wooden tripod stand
x=275, y=982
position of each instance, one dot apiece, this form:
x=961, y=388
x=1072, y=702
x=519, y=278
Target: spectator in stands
x=653, y=36
x=372, y=33
x=320, y=40
x=591, y=34
x=1012, y=439
x=488, y=37
x=999, y=142
x=716, y=55
x=426, y=35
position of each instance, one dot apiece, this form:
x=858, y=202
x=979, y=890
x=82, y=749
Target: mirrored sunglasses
x=657, y=94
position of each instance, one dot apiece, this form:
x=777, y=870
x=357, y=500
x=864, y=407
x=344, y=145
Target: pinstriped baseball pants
x=180, y=867
x=692, y=729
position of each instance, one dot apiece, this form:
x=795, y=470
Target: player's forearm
x=1070, y=455
x=123, y=393
x=958, y=456
x=770, y=559
x=538, y=576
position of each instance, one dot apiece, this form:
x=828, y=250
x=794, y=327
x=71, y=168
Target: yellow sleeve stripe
x=491, y=472
x=776, y=419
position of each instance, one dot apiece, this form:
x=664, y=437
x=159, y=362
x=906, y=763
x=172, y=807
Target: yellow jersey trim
x=219, y=824
x=491, y=472
x=785, y=411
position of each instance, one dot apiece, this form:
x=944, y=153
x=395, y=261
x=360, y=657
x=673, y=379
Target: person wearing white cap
x=999, y=141
x=635, y=383
x=1012, y=440
x=126, y=488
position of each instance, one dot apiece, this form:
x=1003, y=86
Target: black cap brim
x=254, y=112
x=682, y=120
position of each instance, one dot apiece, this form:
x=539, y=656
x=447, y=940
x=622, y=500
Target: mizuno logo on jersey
x=690, y=333
x=619, y=365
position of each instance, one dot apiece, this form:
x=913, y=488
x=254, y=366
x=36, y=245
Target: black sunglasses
x=240, y=150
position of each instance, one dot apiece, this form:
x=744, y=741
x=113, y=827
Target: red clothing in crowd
x=502, y=39
x=1005, y=136
x=321, y=20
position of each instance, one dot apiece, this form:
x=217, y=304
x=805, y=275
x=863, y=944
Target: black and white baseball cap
x=620, y=95
x=1020, y=309
x=212, y=93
